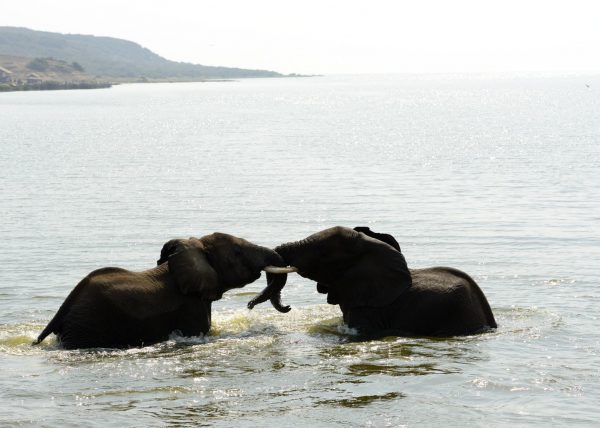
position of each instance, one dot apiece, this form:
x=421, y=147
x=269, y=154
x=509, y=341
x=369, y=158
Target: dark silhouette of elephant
x=113, y=307
x=365, y=273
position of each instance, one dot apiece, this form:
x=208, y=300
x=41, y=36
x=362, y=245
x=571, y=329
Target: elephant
x=365, y=273
x=117, y=308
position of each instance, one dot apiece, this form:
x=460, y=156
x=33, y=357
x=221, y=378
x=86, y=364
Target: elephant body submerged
x=113, y=307
x=367, y=276
x=441, y=301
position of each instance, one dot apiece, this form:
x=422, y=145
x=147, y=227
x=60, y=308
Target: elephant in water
x=113, y=307
x=365, y=273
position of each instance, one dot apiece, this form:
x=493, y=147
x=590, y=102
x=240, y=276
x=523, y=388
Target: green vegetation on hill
x=110, y=58
x=50, y=64
x=27, y=74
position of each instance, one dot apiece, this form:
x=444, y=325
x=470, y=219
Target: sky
x=339, y=37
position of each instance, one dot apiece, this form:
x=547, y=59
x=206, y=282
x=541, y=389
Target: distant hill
x=110, y=58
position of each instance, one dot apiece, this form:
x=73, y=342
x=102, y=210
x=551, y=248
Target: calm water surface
x=496, y=176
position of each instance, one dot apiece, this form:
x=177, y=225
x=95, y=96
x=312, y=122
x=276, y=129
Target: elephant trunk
x=300, y=254
x=276, y=279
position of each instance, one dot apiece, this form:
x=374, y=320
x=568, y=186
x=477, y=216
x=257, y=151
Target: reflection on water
x=394, y=370
x=361, y=401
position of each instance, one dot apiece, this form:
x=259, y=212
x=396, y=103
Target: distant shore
x=49, y=85
x=39, y=60
x=54, y=86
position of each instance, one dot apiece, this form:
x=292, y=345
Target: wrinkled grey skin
x=113, y=307
x=365, y=273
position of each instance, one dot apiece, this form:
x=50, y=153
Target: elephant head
x=211, y=265
x=351, y=267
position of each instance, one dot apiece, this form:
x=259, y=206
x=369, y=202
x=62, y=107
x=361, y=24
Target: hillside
x=26, y=74
x=22, y=68
x=113, y=59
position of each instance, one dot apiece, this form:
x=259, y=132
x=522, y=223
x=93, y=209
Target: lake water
x=498, y=176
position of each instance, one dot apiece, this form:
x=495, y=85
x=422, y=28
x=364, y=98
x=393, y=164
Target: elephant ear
x=169, y=248
x=384, y=237
x=379, y=277
x=192, y=272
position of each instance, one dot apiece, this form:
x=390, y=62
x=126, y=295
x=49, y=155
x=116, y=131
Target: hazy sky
x=339, y=36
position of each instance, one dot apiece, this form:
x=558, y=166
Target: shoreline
x=51, y=85
x=55, y=86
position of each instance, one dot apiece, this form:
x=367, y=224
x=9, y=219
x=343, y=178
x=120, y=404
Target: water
x=497, y=176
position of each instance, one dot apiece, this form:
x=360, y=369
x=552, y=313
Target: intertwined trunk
x=275, y=283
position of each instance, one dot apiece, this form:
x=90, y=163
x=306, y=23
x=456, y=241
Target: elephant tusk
x=275, y=269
